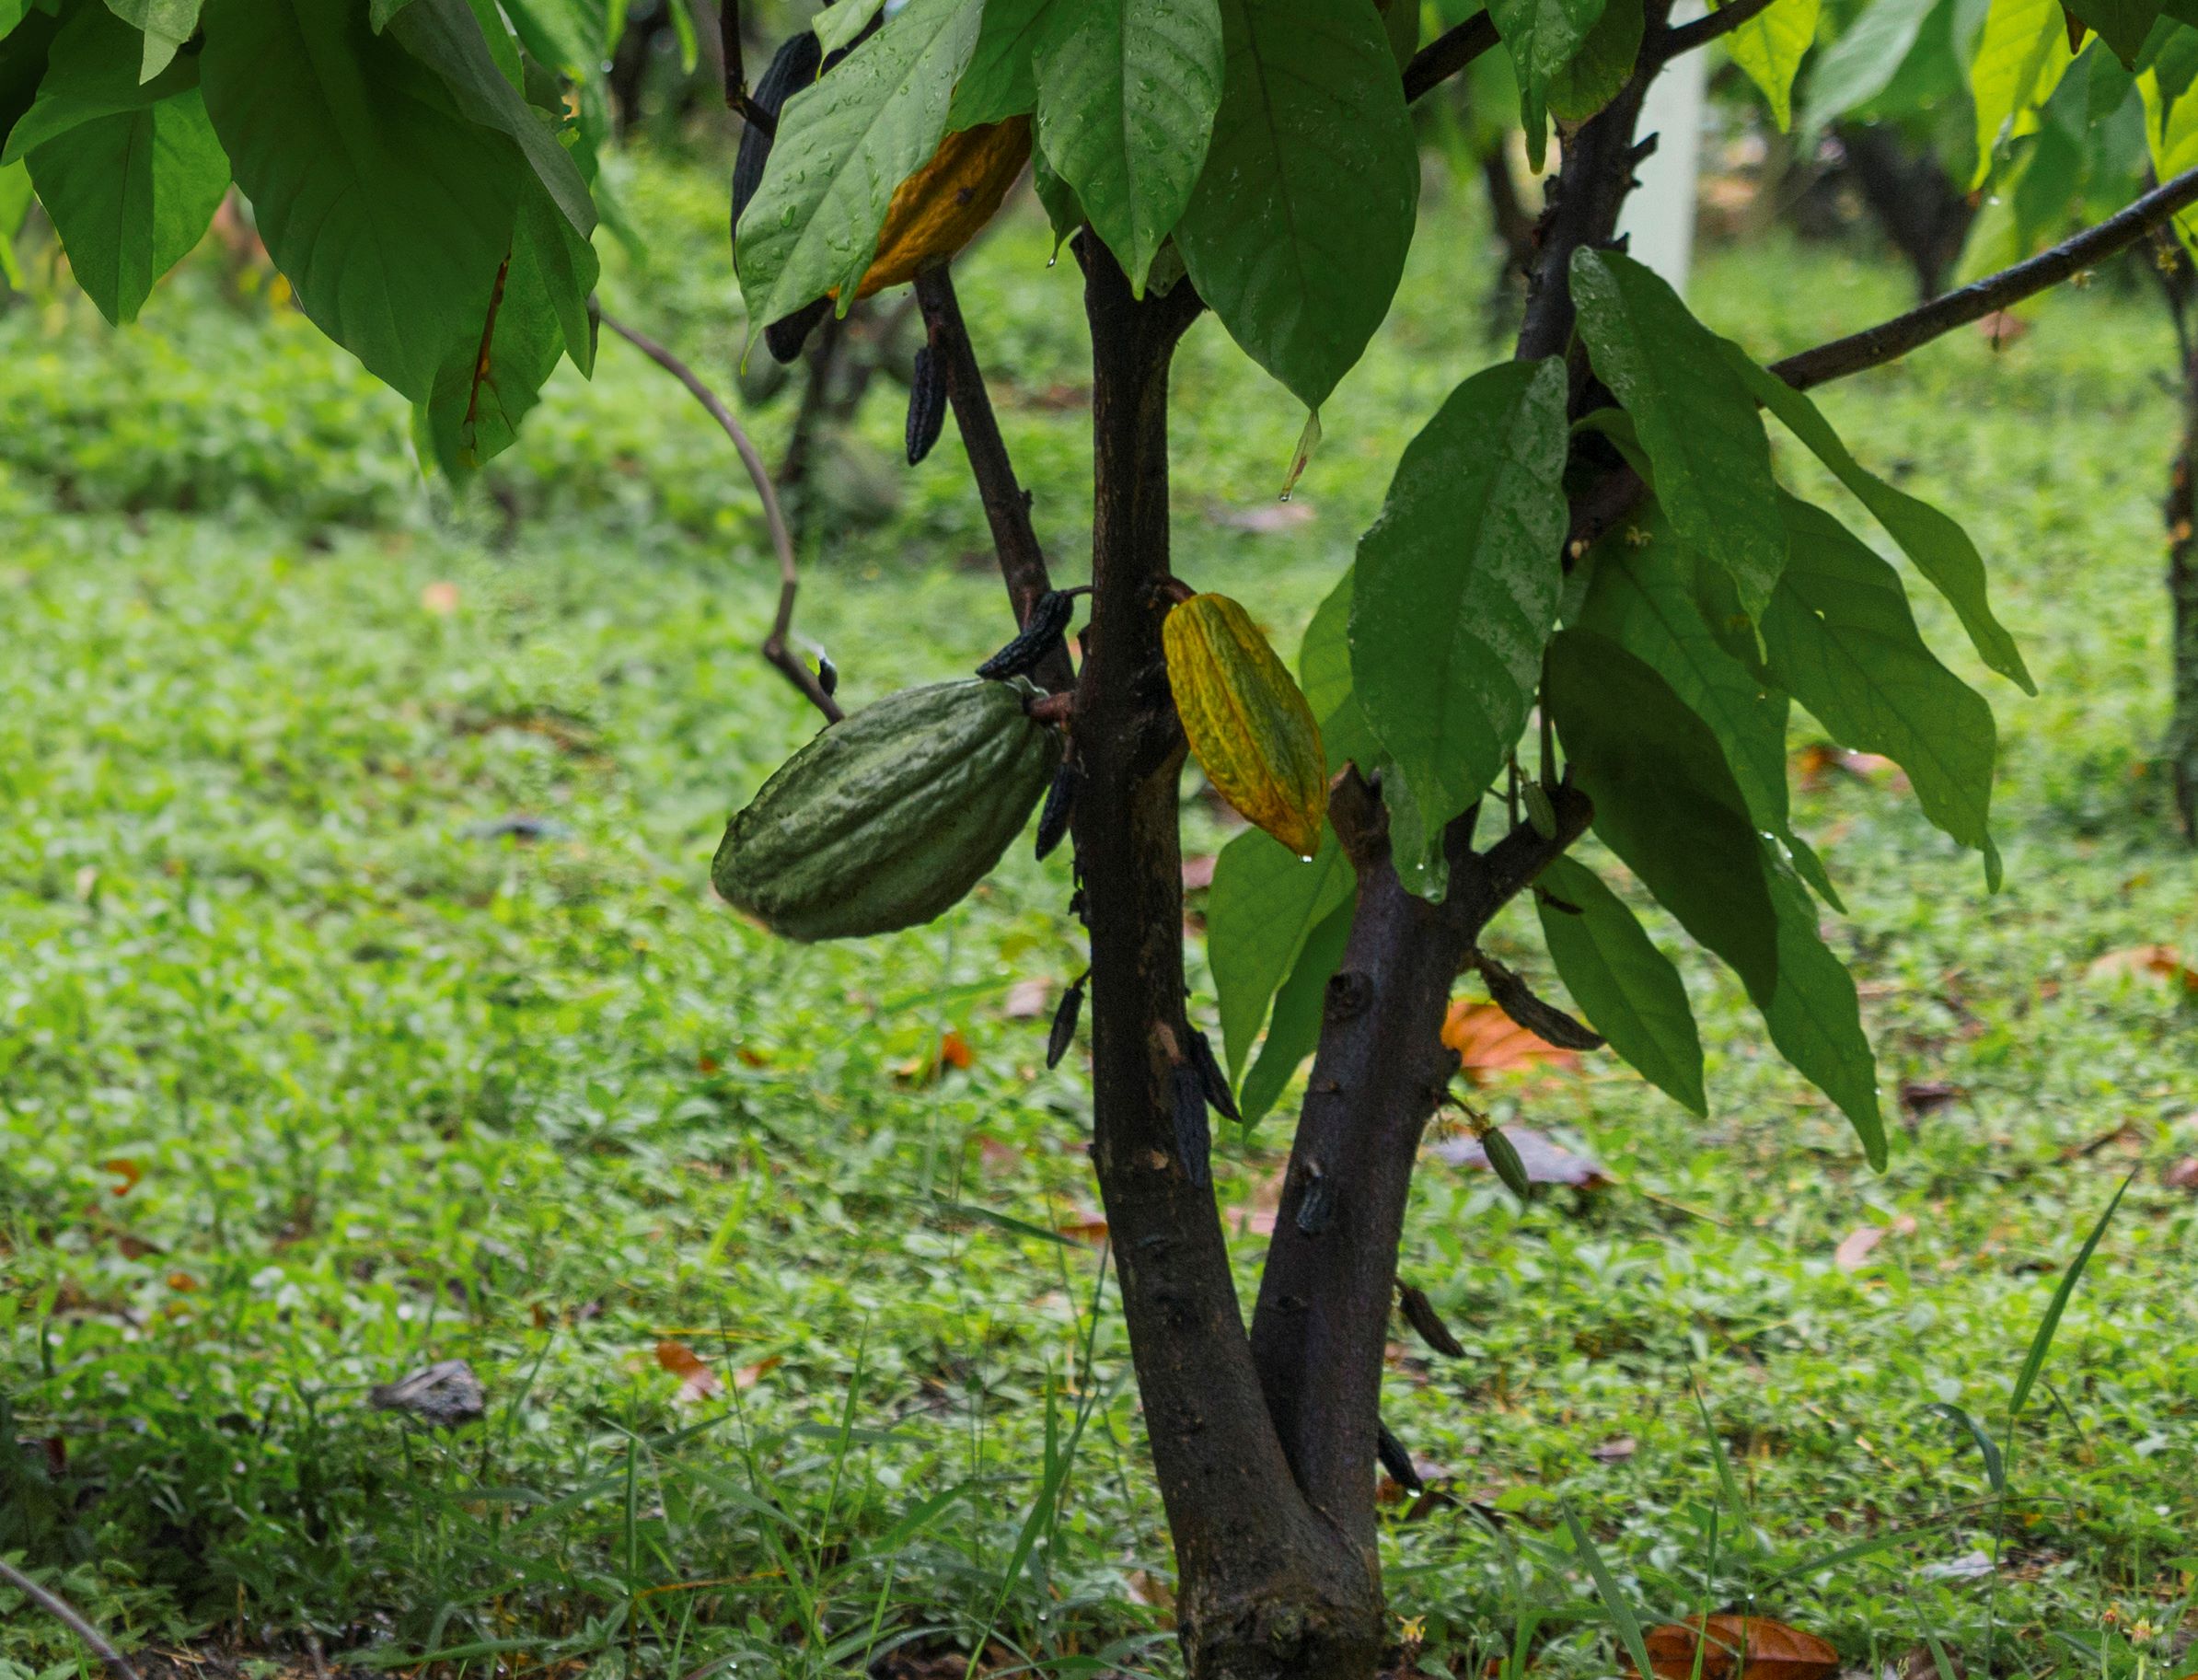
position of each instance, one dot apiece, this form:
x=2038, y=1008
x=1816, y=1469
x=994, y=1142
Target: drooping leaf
x=1813, y=1015
x=1324, y=675
x=1457, y=583
x=1063, y=211
x=389, y=212
x=1698, y=423
x=1628, y=990
x=1769, y=48
x=1246, y=720
x=1127, y=95
x=2122, y=23
x=1543, y=35
x=1297, y=231
x=89, y=73
x=1858, y=65
x=167, y=24
x=836, y=26
x=1939, y=547
x=1593, y=76
x=1293, y=1029
x=1001, y=80
x=2020, y=58
x=1665, y=801
x=1840, y=635
x=843, y=146
x=1262, y=907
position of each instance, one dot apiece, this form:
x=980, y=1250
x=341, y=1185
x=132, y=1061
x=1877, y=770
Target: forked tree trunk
x=1264, y=1443
x=2183, y=594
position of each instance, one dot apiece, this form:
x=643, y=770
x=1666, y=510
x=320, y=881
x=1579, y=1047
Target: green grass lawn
x=310, y=1076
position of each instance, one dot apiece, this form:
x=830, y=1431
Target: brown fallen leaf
x=2162, y=963
x=1737, y=1647
x=1197, y=873
x=697, y=1380
x=1490, y=1042
x=2183, y=1175
x=129, y=1172
x=2002, y=327
x=1085, y=1227
x=1026, y=1000
x=1855, y=1247
x=747, y=1376
x=1616, y=1450
x=1929, y=1096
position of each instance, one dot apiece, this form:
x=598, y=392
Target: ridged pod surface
x=1247, y=720
x=889, y=819
x=940, y=208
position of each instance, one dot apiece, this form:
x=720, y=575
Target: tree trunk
x=2183, y=594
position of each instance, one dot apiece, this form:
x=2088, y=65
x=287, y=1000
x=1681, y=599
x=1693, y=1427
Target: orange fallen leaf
x=1739, y=1648
x=129, y=1172
x=2162, y=963
x=697, y=1380
x=754, y=1059
x=440, y=599
x=182, y=1282
x=747, y=1376
x=1087, y=1225
x=1488, y=1042
x=954, y=1051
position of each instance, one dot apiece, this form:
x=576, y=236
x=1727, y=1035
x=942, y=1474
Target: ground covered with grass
x=367, y=1006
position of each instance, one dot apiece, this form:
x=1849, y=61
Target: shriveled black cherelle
x=1061, y=804
x=927, y=405
x=1049, y=616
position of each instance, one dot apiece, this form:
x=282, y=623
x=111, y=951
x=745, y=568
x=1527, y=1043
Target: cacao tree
x=1589, y=605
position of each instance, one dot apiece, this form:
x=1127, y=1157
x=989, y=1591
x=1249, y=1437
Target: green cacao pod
x=887, y=819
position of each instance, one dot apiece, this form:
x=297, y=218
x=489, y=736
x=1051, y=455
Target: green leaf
x=1857, y=66
x=1840, y=636
x=1297, y=232
x=1293, y=1030
x=2033, y=1362
x=1063, y=210
x=448, y=37
x=1813, y=1015
x=1263, y=905
x=1594, y=75
x=1001, y=81
x=1325, y=676
x=1543, y=35
x=388, y=211
x=1939, y=547
x=1698, y=421
x=167, y=24
x=2123, y=25
x=843, y=148
x=1457, y=584
x=1769, y=48
x=1665, y=801
x=1628, y=989
x=1127, y=95
x=91, y=74
x=2020, y=58
x=837, y=25
x=23, y=55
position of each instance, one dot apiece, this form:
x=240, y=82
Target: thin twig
x=1447, y=54
x=790, y=577
x=61, y=1611
x=1686, y=37
x=1889, y=341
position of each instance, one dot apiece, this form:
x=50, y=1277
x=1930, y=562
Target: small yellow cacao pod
x=1247, y=721
x=941, y=207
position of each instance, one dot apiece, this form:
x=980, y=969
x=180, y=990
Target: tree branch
x=61, y=1611
x=1447, y=54
x=775, y=650
x=1687, y=36
x=1889, y=341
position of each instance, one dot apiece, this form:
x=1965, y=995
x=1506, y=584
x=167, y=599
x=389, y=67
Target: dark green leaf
x=1297, y=232
x=167, y=24
x=1813, y=1016
x=91, y=73
x=1324, y=675
x=1939, y=547
x=1840, y=636
x=389, y=212
x=1602, y=66
x=1263, y=905
x=1665, y=801
x=1127, y=95
x=1062, y=209
x=1543, y=35
x=844, y=145
x=1293, y=1030
x=1696, y=420
x=1628, y=989
x=1001, y=81
x=1457, y=583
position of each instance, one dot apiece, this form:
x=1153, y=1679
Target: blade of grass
x=1614, y=1601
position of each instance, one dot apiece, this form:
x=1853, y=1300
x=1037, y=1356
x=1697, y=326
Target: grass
x=311, y=1077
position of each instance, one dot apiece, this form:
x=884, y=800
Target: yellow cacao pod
x=1247, y=721
x=940, y=208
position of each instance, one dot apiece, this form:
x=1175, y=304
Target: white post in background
x=1660, y=214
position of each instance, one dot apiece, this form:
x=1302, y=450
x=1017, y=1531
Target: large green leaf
x=1840, y=635
x=1325, y=676
x=1297, y=232
x=167, y=25
x=2123, y=25
x=389, y=212
x=130, y=195
x=1665, y=801
x=1857, y=66
x=1603, y=64
x=1293, y=1030
x=91, y=73
x=1814, y=1017
x=1264, y=903
x=1457, y=583
x=1698, y=421
x=836, y=26
x=1001, y=80
x=1626, y=988
x=1769, y=48
x=447, y=35
x=2020, y=58
x=1127, y=95
x=1543, y=35
x=843, y=148
x=1937, y=545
